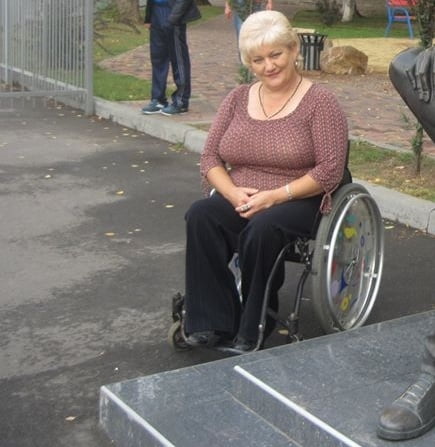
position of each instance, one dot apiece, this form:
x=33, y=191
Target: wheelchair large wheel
x=347, y=260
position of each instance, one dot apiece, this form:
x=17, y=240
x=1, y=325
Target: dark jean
x=168, y=46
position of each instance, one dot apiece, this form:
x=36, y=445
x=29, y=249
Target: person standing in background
x=168, y=46
x=239, y=10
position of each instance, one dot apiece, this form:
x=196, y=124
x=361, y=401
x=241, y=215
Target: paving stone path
x=374, y=109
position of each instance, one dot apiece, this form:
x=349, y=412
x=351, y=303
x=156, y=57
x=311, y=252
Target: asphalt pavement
x=92, y=250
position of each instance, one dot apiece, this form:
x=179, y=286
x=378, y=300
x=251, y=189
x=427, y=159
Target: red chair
x=400, y=11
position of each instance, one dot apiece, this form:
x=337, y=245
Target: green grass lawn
x=117, y=87
x=393, y=169
x=360, y=27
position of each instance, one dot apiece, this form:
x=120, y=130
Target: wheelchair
x=344, y=258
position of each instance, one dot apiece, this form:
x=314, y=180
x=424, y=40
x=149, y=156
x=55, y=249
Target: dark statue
x=412, y=73
x=412, y=414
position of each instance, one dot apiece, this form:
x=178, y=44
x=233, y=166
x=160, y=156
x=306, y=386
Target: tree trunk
x=426, y=21
x=128, y=11
x=349, y=7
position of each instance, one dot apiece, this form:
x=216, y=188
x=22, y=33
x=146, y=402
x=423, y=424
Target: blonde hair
x=265, y=28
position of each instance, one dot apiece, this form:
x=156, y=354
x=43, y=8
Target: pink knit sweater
x=268, y=154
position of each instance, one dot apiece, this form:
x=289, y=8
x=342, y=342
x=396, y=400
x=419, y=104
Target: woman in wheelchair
x=274, y=154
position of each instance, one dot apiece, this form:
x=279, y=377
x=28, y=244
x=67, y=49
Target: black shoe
x=412, y=414
x=206, y=339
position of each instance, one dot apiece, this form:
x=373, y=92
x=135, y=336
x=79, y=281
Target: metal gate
x=46, y=50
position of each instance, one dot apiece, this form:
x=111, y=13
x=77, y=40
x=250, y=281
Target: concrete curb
x=165, y=129
x=408, y=210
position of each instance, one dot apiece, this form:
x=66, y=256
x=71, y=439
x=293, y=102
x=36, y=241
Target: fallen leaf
x=119, y=193
x=71, y=418
x=109, y=234
x=169, y=206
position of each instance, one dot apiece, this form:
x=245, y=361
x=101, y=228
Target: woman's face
x=274, y=65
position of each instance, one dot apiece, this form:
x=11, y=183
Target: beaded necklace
x=285, y=104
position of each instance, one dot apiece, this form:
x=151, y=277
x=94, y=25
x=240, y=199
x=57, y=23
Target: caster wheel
x=175, y=338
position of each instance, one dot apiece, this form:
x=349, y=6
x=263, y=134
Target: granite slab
x=323, y=392
x=338, y=384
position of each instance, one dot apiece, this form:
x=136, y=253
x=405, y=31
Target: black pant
x=214, y=232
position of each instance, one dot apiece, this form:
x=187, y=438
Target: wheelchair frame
x=345, y=260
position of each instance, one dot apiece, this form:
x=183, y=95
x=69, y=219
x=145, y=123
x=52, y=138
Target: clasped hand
x=249, y=201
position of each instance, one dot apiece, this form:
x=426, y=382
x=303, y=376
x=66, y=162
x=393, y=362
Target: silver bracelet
x=289, y=193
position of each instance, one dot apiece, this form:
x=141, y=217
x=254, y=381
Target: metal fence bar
x=88, y=83
x=46, y=50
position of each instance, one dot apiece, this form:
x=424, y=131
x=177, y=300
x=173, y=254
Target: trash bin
x=311, y=46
